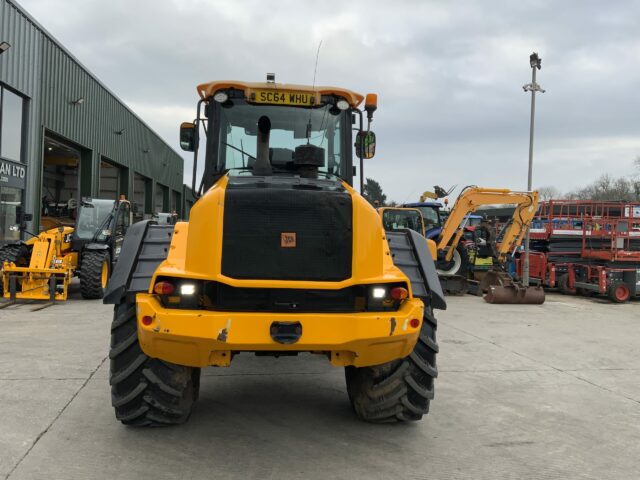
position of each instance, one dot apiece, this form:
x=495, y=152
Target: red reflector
x=163, y=288
x=399, y=293
x=414, y=322
x=147, y=320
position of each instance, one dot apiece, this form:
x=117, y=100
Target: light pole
x=536, y=64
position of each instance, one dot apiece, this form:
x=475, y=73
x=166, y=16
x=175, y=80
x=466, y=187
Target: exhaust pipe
x=263, y=165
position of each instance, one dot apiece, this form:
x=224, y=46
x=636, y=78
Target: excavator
x=497, y=284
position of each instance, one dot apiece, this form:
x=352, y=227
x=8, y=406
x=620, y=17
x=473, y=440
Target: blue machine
x=431, y=214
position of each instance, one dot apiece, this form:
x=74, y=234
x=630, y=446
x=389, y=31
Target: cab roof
x=423, y=204
x=206, y=90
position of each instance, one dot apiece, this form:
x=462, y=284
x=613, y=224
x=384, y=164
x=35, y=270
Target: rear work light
x=163, y=288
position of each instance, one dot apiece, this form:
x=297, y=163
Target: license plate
x=281, y=97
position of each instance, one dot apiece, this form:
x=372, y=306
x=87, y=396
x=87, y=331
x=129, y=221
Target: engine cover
x=287, y=229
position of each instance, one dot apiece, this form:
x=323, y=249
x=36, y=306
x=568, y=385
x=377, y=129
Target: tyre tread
x=401, y=390
x=91, y=273
x=146, y=391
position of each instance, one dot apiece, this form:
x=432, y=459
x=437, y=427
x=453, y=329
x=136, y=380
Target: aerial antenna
x=315, y=68
x=315, y=71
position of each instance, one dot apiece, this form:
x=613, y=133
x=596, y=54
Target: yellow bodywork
x=51, y=256
x=251, y=89
x=203, y=337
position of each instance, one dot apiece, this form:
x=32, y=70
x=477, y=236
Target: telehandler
x=42, y=267
x=280, y=256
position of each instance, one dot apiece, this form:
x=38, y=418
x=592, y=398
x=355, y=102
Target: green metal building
x=64, y=136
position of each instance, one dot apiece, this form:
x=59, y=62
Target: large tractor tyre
x=146, y=391
x=619, y=292
x=95, y=270
x=18, y=254
x=400, y=390
x=458, y=265
x=563, y=285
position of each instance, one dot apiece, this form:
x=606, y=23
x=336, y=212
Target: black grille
x=226, y=298
x=263, y=222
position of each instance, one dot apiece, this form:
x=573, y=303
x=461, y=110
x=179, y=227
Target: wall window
x=10, y=199
x=11, y=125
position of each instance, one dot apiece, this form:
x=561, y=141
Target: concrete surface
x=534, y=392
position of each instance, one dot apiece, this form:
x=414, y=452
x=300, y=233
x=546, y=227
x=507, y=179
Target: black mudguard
x=145, y=246
x=411, y=255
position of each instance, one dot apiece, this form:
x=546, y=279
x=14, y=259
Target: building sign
x=12, y=174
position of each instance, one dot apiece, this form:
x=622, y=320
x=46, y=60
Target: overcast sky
x=449, y=75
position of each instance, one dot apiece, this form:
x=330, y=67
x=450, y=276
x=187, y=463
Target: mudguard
x=145, y=246
x=411, y=255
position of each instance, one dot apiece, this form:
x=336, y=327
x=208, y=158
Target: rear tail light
x=399, y=293
x=387, y=296
x=163, y=288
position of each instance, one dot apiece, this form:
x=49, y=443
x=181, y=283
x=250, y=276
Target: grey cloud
x=448, y=75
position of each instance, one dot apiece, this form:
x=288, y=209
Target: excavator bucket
x=515, y=294
x=500, y=288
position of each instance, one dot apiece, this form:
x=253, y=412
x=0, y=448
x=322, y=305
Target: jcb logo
x=288, y=240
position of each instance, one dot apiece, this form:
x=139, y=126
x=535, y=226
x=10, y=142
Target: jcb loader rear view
x=280, y=256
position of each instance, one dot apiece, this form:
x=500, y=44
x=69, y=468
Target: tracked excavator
x=497, y=285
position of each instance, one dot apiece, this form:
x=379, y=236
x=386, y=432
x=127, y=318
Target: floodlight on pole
x=536, y=64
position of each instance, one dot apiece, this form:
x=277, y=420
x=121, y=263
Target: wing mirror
x=187, y=136
x=365, y=144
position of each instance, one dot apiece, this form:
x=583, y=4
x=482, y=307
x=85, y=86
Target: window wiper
x=239, y=150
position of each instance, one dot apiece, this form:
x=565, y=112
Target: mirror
x=187, y=136
x=365, y=144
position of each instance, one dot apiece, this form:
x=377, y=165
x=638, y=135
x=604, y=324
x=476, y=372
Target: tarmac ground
x=524, y=392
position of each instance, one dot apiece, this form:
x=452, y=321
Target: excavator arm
x=474, y=197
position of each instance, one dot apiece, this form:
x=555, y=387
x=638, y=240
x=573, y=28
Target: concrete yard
x=549, y=391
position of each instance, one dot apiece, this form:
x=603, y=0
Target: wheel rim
x=105, y=274
x=621, y=293
x=452, y=267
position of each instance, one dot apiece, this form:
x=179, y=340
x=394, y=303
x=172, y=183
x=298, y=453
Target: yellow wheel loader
x=42, y=267
x=281, y=256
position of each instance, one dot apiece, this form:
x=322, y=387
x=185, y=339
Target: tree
x=548, y=193
x=373, y=192
x=607, y=188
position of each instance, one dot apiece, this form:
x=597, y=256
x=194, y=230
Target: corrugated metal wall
x=38, y=67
